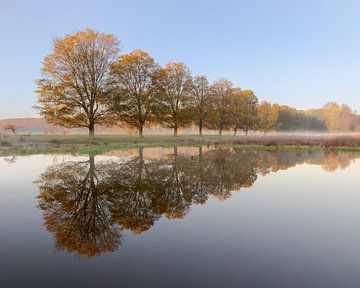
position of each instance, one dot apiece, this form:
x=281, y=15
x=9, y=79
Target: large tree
x=173, y=83
x=200, y=101
x=267, y=116
x=221, y=92
x=74, y=90
x=331, y=111
x=133, y=101
x=243, y=109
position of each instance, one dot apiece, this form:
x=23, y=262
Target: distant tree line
x=86, y=82
x=331, y=117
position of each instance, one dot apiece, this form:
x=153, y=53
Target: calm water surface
x=181, y=217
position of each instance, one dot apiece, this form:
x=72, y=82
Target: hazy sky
x=300, y=53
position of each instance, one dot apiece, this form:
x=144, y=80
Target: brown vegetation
x=327, y=141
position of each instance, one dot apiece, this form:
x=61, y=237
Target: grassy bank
x=27, y=145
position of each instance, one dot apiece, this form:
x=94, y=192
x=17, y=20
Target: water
x=181, y=217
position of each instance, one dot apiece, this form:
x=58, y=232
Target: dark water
x=181, y=217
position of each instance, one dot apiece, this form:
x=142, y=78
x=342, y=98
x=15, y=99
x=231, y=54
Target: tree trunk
x=175, y=129
x=235, y=130
x=201, y=169
x=91, y=124
x=246, y=132
x=92, y=129
x=141, y=130
x=200, y=128
x=141, y=163
x=91, y=166
x=175, y=154
x=220, y=130
x=141, y=154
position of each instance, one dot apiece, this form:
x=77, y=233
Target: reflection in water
x=74, y=199
x=87, y=204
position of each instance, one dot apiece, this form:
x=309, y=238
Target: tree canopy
x=134, y=97
x=173, y=83
x=74, y=90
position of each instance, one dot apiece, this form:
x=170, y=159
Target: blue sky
x=300, y=53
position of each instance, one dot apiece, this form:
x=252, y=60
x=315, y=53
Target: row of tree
x=87, y=82
x=89, y=204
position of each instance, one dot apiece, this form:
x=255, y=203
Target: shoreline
x=58, y=144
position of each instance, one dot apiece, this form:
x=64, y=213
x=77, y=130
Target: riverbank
x=45, y=144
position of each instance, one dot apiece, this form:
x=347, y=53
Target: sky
x=300, y=53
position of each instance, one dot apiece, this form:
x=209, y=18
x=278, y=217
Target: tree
x=348, y=119
x=336, y=117
x=173, y=84
x=133, y=101
x=200, y=101
x=74, y=90
x=221, y=92
x=291, y=119
x=243, y=109
x=331, y=112
x=267, y=116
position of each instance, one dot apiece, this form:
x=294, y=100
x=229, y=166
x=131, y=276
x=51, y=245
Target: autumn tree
x=133, y=101
x=331, y=111
x=173, y=83
x=348, y=119
x=267, y=116
x=336, y=117
x=200, y=101
x=221, y=92
x=243, y=109
x=74, y=90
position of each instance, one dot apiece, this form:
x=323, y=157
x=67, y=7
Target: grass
x=44, y=144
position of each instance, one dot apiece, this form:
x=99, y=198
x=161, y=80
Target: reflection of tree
x=231, y=169
x=273, y=161
x=73, y=198
x=131, y=191
x=87, y=204
x=199, y=177
x=335, y=160
x=173, y=194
